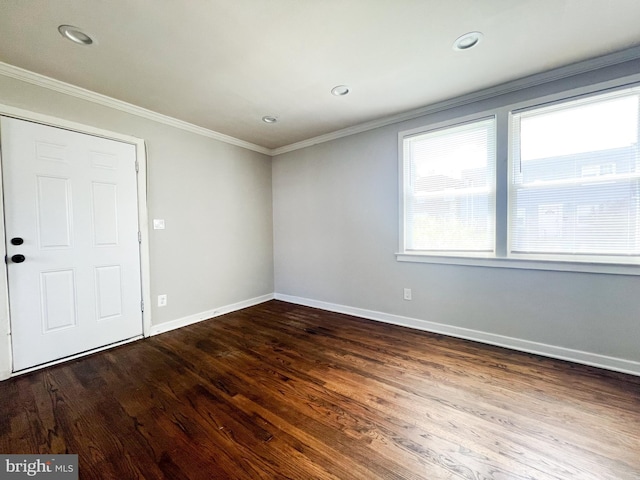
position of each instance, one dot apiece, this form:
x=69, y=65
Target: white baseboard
x=216, y=312
x=576, y=356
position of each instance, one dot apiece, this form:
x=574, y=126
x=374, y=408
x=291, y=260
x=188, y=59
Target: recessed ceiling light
x=467, y=41
x=269, y=119
x=340, y=90
x=75, y=35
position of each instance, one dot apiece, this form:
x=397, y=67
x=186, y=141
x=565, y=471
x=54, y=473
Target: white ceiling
x=224, y=64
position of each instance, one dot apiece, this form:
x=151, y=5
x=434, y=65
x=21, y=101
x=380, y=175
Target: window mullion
x=502, y=181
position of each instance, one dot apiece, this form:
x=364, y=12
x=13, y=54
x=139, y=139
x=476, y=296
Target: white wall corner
x=209, y=314
x=577, y=356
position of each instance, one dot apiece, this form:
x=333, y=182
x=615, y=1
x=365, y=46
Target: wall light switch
x=158, y=224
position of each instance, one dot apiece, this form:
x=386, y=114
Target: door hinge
x=142, y=305
x=137, y=166
x=139, y=237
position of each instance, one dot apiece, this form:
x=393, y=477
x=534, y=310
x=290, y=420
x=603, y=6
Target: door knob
x=17, y=241
x=17, y=258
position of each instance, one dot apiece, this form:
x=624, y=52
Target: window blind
x=449, y=189
x=575, y=179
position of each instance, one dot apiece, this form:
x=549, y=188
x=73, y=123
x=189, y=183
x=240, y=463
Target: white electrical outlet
x=407, y=294
x=162, y=300
x=158, y=224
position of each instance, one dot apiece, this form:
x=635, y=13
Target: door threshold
x=75, y=356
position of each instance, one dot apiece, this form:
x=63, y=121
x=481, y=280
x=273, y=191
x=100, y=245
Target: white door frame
x=6, y=354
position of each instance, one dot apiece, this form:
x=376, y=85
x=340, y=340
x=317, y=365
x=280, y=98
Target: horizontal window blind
x=449, y=189
x=575, y=179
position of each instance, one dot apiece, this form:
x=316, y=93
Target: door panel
x=108, y=292
x=58, y=300
x=73, y=199
x=104, y=198
x=53, y=210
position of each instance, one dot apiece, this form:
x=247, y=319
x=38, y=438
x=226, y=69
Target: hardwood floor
x=282, y=391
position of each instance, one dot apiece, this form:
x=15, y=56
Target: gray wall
x=336, y=232
x=335, y=229
x=217, y=248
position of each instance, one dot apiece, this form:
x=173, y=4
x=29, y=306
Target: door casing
x=6, y=355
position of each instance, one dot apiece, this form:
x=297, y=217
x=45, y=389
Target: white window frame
x=502, y=259
x=402, y=136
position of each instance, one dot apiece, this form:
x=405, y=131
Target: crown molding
x=488, y=93
x=62, y=87
x=509, y=87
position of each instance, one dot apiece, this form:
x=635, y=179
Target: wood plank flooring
x=280, y=391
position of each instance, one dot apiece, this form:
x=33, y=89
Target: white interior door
x=73, y=257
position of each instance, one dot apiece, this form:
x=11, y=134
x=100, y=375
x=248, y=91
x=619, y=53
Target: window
x=450, y=189
x=575, y=183
x=569, y=195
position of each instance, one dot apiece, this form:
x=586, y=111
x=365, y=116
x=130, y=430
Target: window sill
x=558, y=266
